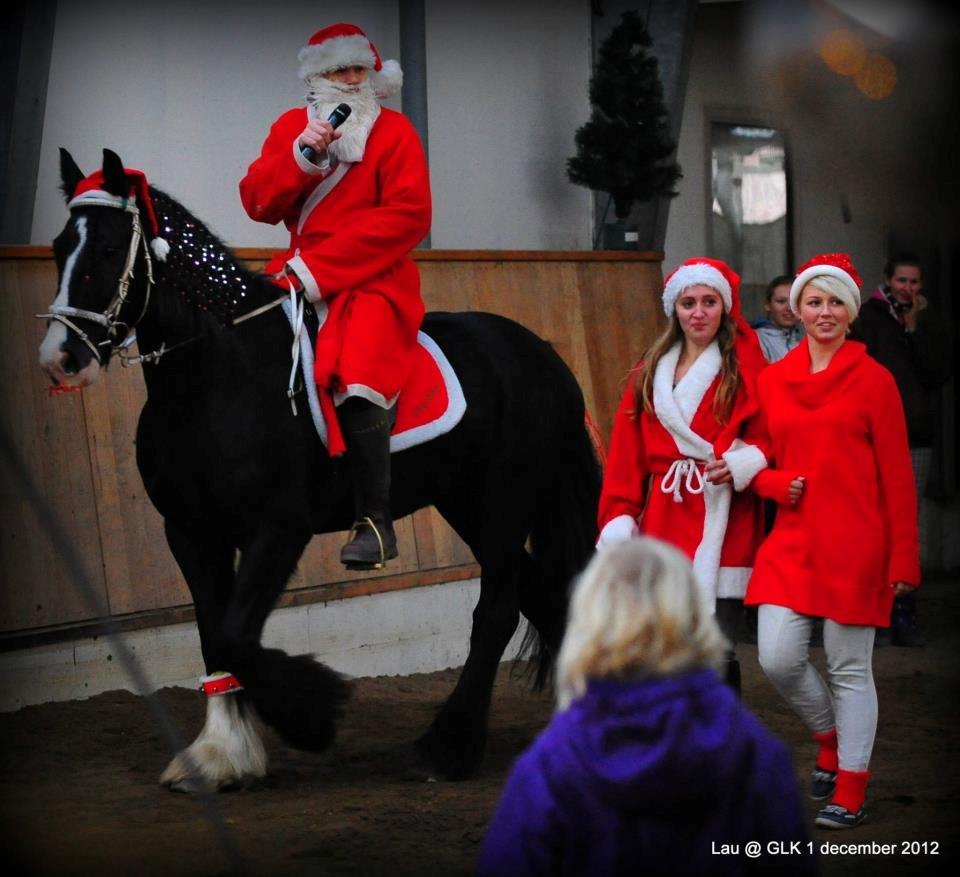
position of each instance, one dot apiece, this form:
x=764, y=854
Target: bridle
x=110, y=318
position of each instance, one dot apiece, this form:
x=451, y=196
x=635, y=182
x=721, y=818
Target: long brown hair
x=729, y=369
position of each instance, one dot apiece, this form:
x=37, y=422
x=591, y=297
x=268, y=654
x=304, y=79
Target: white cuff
x=320, y=167
x=618, y=529
x=311, y=289
x=744, y=462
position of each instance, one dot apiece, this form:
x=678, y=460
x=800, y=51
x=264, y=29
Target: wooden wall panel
x=49, y=435
x=598, y=310
x=141, y=574
x=599, y=315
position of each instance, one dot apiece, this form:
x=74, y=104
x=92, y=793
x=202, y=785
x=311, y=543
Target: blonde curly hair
x=636, y=612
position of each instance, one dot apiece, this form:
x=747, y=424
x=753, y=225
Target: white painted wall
x=507, y=89
x=186, y=91
x=419, y=630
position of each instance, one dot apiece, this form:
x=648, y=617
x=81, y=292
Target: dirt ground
x=80, y=794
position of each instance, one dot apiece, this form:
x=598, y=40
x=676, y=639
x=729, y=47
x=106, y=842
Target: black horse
x=243, y=484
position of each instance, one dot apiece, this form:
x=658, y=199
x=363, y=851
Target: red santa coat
x=654, y=471
x=351, y=232
x=854, y=531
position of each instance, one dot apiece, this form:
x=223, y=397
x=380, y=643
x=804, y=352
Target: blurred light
x=843, y=52
x=877, y=77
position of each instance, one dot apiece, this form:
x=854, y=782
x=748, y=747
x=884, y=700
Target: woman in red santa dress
x=356, y=201
x=844, y=542
x=678, y=462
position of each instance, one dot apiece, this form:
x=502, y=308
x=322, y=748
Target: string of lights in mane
x=199, y=266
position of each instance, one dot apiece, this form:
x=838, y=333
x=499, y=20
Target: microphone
x=336, y=118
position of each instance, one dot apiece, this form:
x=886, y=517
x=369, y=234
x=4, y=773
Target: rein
x=154, y=356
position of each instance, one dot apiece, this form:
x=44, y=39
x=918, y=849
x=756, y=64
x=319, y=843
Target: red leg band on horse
x=827, y=756
x=851, y=789
x=220, y=683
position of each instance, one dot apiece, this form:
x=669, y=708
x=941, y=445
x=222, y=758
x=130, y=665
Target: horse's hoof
x=191, y=786
x=451, y=757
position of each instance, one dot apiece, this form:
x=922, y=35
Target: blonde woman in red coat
x=678, y=464
x=844, y=543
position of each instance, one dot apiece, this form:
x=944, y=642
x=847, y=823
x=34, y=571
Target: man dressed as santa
x=356, y=201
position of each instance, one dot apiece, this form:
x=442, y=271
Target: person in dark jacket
x=651, y=764
x=906, y=336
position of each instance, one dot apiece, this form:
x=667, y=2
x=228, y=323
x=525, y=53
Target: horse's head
x=104, y=266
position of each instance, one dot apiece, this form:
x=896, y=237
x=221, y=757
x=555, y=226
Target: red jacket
x=854, y=531
x=718, y=528
x=350, y=246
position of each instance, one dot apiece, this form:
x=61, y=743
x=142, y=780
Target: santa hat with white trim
x=92, y=190
x=836, y=265
x=346, y=45
x=701, y=271
x=718, y=275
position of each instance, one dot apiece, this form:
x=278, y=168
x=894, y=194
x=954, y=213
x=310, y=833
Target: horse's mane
x=200, y=267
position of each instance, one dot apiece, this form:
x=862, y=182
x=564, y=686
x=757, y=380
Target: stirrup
x=366, y=564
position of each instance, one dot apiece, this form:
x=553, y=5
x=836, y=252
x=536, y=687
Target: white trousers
x=848, y=703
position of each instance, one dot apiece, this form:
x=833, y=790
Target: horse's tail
x=562, y=540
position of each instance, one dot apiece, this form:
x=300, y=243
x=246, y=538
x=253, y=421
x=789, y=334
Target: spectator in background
x=904, y=334
x=650, y=759
x=781, y=331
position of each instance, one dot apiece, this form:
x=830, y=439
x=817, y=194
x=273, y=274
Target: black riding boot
x=366, y=431
x=731, y=672
x=903, y=622
x=730, y=617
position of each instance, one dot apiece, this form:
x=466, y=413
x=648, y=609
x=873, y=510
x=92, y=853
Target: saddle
x=430, y=404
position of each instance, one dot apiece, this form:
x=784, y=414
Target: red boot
x=846, y=808
x=824, y=778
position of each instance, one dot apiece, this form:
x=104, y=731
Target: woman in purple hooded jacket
x=651, y=764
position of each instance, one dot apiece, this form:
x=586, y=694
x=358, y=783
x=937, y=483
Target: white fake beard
x=324, y=95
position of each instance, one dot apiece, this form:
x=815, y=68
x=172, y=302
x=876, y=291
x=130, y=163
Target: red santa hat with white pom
x=92, y=190
x=346, y=45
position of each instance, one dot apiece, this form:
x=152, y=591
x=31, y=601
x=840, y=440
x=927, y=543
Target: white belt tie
x=682, y=473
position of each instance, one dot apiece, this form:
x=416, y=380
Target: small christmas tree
x=624, y=149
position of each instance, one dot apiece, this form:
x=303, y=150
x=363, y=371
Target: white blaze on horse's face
x=53, y=358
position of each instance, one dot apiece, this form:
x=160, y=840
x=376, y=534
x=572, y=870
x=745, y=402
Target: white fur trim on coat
x=307, y=166
x=695, y=275
x=675, y=408
x=323, y=188
x=311, y=289
x=744, y=462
